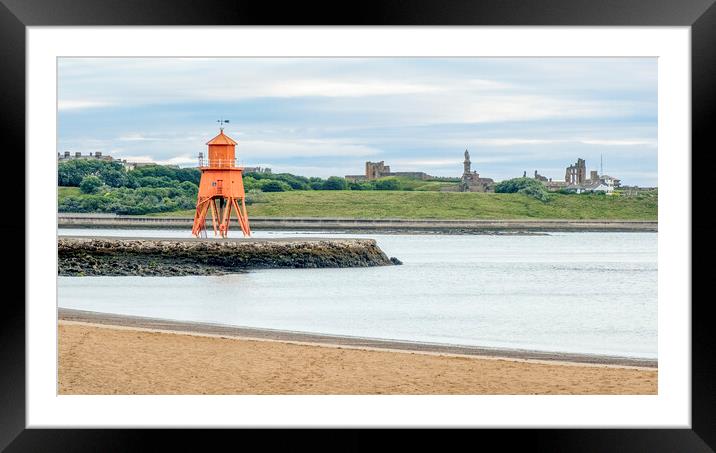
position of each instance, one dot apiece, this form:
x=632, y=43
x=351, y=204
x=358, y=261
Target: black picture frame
x=16, y=15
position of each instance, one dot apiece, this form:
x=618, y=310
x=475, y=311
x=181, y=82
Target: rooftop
x=221, y=139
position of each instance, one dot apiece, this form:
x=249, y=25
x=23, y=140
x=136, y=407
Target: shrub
x=387, y=184
x=360, y=186
x=293, y=181
x=275, y=186
x=334, y=183
x=528, y=186
x=90, y=184
x=535, y=192
x=172, y=173
x=156, y=181
x=190, y=189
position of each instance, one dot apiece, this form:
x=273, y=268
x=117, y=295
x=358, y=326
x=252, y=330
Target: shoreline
x=350, y=342
x=425, y=226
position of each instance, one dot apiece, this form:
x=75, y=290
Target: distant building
x=554, y=185
x=595, y=183
x=67, y=156
x=576, y=173
x=78, y=155
x=257, y=170
x=610, y=181
x=375, y=170
x=575, y=180
x=471, y=180
x=548, y=183
x=539, y=177
x=596, y=186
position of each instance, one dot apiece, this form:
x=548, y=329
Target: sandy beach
x=105, y=358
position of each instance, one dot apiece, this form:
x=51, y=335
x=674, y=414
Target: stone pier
x=110, y=256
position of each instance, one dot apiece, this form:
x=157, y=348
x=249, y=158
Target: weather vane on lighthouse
x=221, y=122
x=221, y=189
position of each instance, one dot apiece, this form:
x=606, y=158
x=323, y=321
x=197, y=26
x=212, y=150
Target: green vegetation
x=113, y=174
x=275, y=186
x=106, y=187
x=404, y=183
x=122, y=200
x=447, y=205
x=294, y=182
x=100, y=186
x=91, y=184
x=334, y=183
x=526, y=186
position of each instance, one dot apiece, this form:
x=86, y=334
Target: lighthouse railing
x=205, y=162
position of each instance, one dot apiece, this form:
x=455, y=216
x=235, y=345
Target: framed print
x=458, y=156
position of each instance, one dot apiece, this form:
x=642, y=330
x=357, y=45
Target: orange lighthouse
x=221, y=189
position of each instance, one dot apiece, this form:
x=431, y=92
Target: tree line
x=106, y=186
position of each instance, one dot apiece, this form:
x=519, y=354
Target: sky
x=328, y=116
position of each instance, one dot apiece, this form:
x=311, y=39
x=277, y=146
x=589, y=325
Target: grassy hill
x=446, y=205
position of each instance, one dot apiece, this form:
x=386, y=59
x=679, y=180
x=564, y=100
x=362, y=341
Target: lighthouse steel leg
x=243, y=219
x=245, y=216
x=214, y=217
x=200, y=220
x=229, y=205
x=200, y=217
x=225, y=222
x=239, y=216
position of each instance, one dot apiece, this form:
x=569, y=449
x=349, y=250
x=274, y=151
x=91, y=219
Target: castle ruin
x=576, y=174
x=471, y=180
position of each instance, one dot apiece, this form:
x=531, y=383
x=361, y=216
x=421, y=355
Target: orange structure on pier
x=221, y=189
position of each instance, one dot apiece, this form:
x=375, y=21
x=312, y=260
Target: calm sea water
x=568, y=292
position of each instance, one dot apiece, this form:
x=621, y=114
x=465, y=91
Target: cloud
x=139, y=138
x=425, y=163
x=262, y=149
x=634, y=142
x=69, y=104
x=178, y=160
x=522, y=142
x=333, y=88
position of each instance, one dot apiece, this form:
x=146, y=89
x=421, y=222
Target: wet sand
x=106, y=354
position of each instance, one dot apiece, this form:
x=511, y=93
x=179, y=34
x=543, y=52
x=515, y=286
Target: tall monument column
x=466, y=164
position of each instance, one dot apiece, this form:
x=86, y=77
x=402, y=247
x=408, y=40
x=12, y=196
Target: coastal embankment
x=85, y=256
x=111, y=354
x=468, y=226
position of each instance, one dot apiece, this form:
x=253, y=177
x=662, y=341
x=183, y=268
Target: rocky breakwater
x=79, y=256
